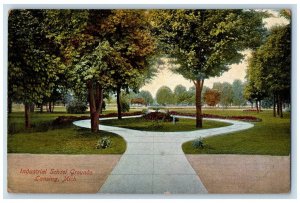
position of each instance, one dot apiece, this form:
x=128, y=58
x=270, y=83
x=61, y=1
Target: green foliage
x=125, y=102
x=146, y=95
x=164, y=96
x=133, y=48
x=226, y=92
x=205, y=42
x=198, y=143
x=238, y=90
x=34, y=62
x=269, y=66
x=103, y=143
x=76, y=107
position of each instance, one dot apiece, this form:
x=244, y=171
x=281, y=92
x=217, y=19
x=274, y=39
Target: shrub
x=76, y=107
x=198, y=143
x=103, y=143
x=159, y=116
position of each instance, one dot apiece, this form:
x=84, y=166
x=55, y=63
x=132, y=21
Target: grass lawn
x=146, y=125
x=44, y=138
x=69, y=140
x=272, y=136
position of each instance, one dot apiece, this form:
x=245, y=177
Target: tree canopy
x=164, y=96
x=203, y=43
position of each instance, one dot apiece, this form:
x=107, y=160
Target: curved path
x=154, y=161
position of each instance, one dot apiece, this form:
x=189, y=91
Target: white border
x=267, y=4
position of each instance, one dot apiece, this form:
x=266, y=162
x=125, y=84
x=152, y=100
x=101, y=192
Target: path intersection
x=154, y=162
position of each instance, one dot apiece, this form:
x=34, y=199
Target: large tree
x=129, y=35
x=34, y=64
x=105, y=50
x=203, y=43
x=270, y=66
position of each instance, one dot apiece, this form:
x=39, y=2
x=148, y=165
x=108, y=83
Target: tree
x=80, y=38
x=203, y=43
x=226, y=95
x=238, y=89
x=33, y=60
x=211, y=97
x=269, y=68
x=254, y=90
x=105, y=50
x=129, y=35
x=164, y=96
x=191, y=95
x=180, y=94
x=146, y=95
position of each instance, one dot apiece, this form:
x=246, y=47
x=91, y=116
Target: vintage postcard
x=141, y=101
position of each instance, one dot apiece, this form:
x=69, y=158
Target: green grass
x=70, y=140
x=45, y=138
x=146, y=125
x=272, y=136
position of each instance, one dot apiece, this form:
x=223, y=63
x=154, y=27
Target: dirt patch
x=29, y=173
x=243, y=173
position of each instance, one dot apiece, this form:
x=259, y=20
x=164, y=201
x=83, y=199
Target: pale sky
x=166, y=77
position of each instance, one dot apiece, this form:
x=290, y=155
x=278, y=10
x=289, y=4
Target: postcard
x=145, y=101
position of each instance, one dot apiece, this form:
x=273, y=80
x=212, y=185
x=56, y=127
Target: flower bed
x=241, y=118
x=159, y=116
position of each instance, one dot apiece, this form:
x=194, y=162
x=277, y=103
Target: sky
x=166, y=77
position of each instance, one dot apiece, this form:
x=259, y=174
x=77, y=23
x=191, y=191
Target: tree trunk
x=47, y=107
x=50, y=107
x=256, y=105
x=274, y=105
x=95, y=98
x=32, y=107
x=41, y=108
x=53, y=103
x=199, y=87
x=93, y=110
x=27, y=115
x=280, y=108
x=119, y=103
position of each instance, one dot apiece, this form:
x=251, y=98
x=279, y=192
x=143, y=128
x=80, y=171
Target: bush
x=198, y=143
x=76, y=107
x=103, y=143
x=159, y=116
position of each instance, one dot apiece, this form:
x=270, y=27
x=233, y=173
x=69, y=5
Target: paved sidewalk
x=154, y=161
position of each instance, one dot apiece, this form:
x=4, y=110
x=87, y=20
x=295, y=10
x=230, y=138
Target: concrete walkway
x=154, y=161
